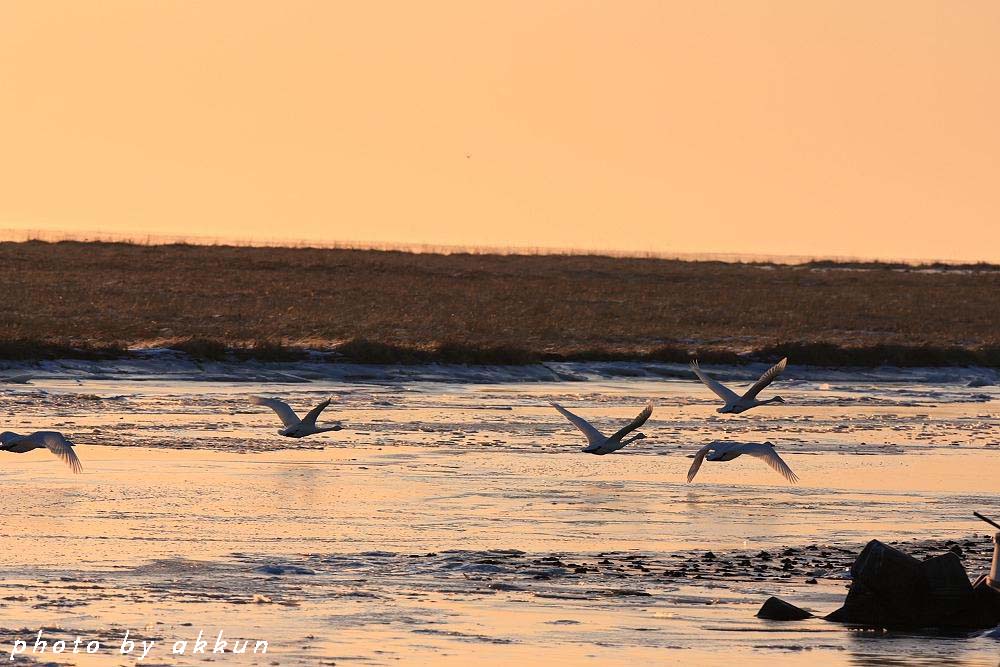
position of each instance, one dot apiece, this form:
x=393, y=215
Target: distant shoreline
x=757, y=259
x=368, y=352
x=99, y=300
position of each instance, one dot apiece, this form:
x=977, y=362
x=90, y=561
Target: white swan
x=295, y=427
x=600, y=444
x=727, y=451
x=54, y=441
x=736, y=403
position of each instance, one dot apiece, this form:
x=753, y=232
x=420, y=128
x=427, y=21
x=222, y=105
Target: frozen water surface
x=454, y=515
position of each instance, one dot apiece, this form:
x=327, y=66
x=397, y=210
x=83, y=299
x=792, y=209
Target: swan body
x=727, y=451
x=734, y=403
x=293, y=426
x=53, y=441
x=597, y=442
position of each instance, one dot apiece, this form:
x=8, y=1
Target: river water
x=454, y=517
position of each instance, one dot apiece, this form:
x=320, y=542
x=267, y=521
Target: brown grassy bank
x=83, y=299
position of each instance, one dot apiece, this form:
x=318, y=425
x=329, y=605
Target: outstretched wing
x=723, y=392
x=767, y=378
x=594, y=437
x=284, y=412
x=698, y=458
x=767, y=454
x=310, y=419
x=636, y=423
x=61, y=447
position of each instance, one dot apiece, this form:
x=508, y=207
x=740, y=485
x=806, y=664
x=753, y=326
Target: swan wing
x=769, y=376
x=594, y=437
x=767, y=454
x=698, y=458
x=636, y=423
x=8, y=437
x=17, y=443
x=61, y=447
x=283, y=410
x=723, y=392
x=310, y=419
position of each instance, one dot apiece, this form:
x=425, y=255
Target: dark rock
x=812, y=581
x=709, y=556
x=763, y=555
x=887, y=590
x=893, y=590
x=987, y=603
x=776, y=609
x=950, y=598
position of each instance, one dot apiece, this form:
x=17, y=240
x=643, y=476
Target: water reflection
x=921, y=650
x=389, y=541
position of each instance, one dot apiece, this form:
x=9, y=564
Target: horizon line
x=23, y=235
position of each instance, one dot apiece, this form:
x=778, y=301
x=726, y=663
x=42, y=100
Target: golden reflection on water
x=152, y=538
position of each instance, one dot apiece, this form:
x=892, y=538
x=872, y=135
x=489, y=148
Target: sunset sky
x=824, y=128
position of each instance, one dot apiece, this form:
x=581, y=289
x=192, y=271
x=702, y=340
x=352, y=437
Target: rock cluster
x=893, y=590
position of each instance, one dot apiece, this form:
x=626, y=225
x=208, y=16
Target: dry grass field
x=73, y=299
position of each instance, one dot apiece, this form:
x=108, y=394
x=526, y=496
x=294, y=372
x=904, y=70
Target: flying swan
x=727, y=451
x=54, y=441
x=598, y=443
x=295, y=427
x=734, y=402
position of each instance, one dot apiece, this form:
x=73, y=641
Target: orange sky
x=840, y=127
